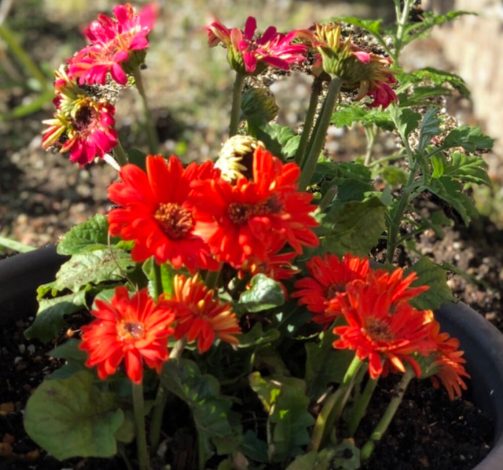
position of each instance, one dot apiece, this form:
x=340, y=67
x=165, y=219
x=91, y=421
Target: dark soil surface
x=428, y=432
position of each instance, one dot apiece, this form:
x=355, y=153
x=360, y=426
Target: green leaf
x=280, y=140
x=470, y=138
x=346, y=116
x=210, y=410
x=50, y=318
x=82, y=270
x=88, y=236
x=324, y=365
x=434, y=276
x=438, y=165
x=452, y=192
x=437, y=78
x=73, y=356
x=430, y=20
x=357, y=227
x=429, y=128
x=344, y=456
x=264, y=293
x=406, y=120
x=254, y=448
x=258, y=337
x=394, y=176
x=372, y=26
x=285, y=401
x=467, y=169
x=419, y=95
x=73, y=418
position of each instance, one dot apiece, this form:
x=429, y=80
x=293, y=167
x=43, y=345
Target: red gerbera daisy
x=112, y=41
x=384, y=333
x=133, y=329
x=156, y=213
x=242, y=219
x=330, y=275
x=446, y=366
x=200, y=316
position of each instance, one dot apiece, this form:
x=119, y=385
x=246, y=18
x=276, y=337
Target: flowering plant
x=269, y=276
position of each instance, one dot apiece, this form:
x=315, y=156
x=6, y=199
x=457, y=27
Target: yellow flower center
x=129, y=330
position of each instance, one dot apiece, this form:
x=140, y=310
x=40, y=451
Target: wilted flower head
x=236, y=157
x=82, y=125
x=131, y=329
x=251, y=53
x=115, y=45
x=335, y=54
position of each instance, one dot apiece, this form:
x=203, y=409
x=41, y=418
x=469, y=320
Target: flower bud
x=236, y=157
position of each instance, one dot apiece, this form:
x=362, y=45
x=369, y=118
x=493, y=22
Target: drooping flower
x=338, y=56
x=249, y=52
x=446, y=365
x=131, y=329
x=200, y=316
x=82, y=126
x=330, y=276
x=236, y=157
x=239, y=220
x=113, y=41
x=388, y=335
x=155, y=212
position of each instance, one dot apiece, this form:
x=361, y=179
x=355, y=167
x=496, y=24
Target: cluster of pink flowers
x=83, y=125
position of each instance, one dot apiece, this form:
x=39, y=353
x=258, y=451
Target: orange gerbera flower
x=330, y=275
x=200, y=316
x=386, y=334
x=446, y=366
x=133, y=329
x=155, y=211
x=242, y=219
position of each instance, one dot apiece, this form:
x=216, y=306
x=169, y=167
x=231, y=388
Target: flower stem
x=120, y=154
x=308, y=123
x=361, y=405
x=387, y=417
x=153, y=139
x=370, y=134
x=318, y=139
x=139, y=417
x=334, y=406
x=236, y=103
x=158, y=289
x=212, y=277
x=161, y=400
x=402, y=16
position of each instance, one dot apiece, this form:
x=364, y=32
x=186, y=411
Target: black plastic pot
x=20, y=275
x=483, y=346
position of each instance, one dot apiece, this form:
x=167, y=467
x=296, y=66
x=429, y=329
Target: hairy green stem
x=387, y=417
x=158, y=289
x=402, y=17
x=120, y=154
x=139, y=418
x=316, y=89
x=161, y=400
x=236, y=103
x=370, y=134
x=361, y=405
x=152, y=137
x=22, y=56
x=318, y=138
x=334, y=406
